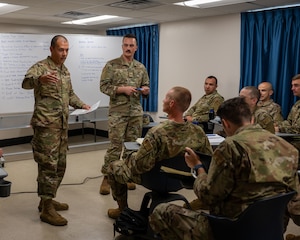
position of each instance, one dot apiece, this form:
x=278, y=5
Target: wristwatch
x=195, y=170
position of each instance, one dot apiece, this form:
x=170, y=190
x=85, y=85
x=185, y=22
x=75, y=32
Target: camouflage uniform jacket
x=118, y=72
x=245, y=167
x=264, y=119
x=51, y=108
x=200, y=110
x=292, y=124
x=273, y=109
x=165, y=141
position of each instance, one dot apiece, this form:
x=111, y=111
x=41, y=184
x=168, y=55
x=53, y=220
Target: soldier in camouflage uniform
x=265, y=102
x=199, y=112
x=259, y=115
x=232, y=183
x=292, y=125
x=124, y=80
x=164, y=141
x=53, y=94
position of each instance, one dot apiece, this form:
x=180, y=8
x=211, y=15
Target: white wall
x=192, y=50
x=189, y=52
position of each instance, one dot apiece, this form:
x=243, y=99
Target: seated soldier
x=266, y=102
x=232, y=183
x=164, y=141
x=259, y=116
x=208, y=103
x=292, y=125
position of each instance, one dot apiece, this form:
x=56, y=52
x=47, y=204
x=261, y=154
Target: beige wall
x=12, y=28
x=189, y=51
x=192, y=50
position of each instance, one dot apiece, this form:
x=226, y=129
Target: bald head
x=266, y=91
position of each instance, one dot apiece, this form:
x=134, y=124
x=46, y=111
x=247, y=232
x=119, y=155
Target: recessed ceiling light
x=95, y=20
x=210, y=3
x=91, y=19
x=195, y=3
x=8, y=8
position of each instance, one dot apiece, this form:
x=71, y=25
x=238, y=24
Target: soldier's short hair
x=213, y=77
x=55, y=38
x=235, y=110
x=131, y=35
x=296, y=77
x=253, y=91
x=182, y=97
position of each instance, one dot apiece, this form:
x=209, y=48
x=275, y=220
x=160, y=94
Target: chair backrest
x=147, y=117
x=208, y=127
x=262, y=220
x=159, y=181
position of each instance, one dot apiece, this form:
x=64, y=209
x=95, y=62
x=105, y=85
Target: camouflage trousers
x=121, y=129
x=119, y=173
x=175, y=222
x=49, y=151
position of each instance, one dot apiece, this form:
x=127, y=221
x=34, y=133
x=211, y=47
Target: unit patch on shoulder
x=147, y=144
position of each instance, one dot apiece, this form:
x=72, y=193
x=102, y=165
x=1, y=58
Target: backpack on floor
x=131, y=222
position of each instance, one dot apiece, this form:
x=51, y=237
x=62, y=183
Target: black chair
x=163, y=186
x=208, y=127
x=148, y=116
x=262, y=220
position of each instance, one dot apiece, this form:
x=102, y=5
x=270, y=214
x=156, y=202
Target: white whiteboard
x=87, y=56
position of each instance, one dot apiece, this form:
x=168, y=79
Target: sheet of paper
x=84, y=111
x=139, y=140
x=215, y=139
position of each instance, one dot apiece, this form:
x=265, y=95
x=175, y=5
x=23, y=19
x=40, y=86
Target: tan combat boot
x=49, y=215
x=114, y=213
x=131, y=186
x=57, y=205
x=105, y=187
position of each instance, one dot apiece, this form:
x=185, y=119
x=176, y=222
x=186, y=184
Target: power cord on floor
x=64, y=184
x=83, y=182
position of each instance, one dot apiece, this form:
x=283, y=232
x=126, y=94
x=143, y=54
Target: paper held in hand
x=175, y=171
x=84, y=111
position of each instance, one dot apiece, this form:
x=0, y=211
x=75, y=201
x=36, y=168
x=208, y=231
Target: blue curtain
x=270, y=51
x=148, y=54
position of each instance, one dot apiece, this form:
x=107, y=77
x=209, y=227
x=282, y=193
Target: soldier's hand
x=128, y=90
x=49, y=77
x=86, y=107
x=189, y=118
x=191, y=158
x=145, y=90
